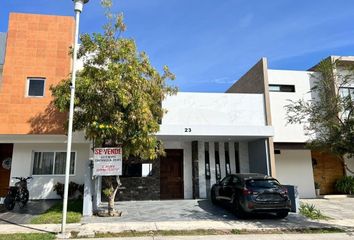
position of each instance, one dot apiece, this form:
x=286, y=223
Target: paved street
x=24, y=215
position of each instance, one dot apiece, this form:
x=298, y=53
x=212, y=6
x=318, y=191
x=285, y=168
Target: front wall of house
x=327, y=169
x=38, y=47
x=214, y=109
x=41, y=186
x=294, y=167
x=283, y=131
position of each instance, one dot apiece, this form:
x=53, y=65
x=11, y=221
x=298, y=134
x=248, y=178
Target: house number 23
x=187, y=130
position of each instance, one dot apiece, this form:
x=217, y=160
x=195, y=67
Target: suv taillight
x=246, y=192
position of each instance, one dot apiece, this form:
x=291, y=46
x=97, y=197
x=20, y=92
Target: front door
x=5, y=167
x=171, y=174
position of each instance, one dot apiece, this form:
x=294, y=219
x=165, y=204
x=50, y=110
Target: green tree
x=328, y=118
x=118, y=95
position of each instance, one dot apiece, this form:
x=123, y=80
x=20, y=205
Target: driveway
x=24, y=215
x=200, y=213
x=183, y=211
x=336, y=208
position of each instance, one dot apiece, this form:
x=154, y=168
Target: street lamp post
x=78, y=9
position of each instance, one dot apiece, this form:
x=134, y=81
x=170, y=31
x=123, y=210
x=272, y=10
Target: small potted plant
x=317, y=188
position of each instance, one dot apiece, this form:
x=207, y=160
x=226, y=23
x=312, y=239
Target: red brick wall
x=37, y=46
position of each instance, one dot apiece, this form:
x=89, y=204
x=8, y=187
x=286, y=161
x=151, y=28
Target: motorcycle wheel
x=9, y=202
x=24, y=197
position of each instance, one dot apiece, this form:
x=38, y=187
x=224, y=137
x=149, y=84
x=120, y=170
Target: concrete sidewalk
x=253, y=225
x=329, y=236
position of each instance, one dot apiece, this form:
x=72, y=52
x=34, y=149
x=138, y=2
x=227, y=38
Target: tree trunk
x=112, y=196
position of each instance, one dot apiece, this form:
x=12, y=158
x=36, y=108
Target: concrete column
x=201, y=165
x=244, y=159
x=222, y=159
x=88, y=189
x=187, y=170
x=232, y=157
x=212, y=163
x=195, y=169
x=97, y=196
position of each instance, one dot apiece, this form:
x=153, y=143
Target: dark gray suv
x=252, y=193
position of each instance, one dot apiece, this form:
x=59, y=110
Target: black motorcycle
x=18, y=193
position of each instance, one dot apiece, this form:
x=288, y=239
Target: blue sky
x=209, y=44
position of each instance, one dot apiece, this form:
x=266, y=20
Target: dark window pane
x=281, y=88
x=60, y=162
x=43, y=163
x=36, y=87
x=262, y=183
x=132, y=170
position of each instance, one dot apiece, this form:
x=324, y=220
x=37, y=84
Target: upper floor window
x=347, y=92
x=281, y=88
x=35, y=87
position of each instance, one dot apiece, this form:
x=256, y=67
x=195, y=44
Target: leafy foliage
x=345, y=185
x=118, y=91
x=118, y=95
x=73, y=188
x=310, y=211
x=328, y=118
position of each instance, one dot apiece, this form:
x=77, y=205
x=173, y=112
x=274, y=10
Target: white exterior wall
x=222, y=109
x=350, y=165
x=294, y=167
x=284, y=132
x=41, y=187
x=187, y=165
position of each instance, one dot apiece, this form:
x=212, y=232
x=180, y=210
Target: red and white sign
x=107, y=161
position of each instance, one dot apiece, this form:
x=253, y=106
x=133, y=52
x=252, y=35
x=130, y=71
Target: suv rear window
x=262, y=183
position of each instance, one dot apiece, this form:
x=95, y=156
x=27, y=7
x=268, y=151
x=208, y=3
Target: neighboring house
x=206, y=135
x=295, y=164
x=31, y=130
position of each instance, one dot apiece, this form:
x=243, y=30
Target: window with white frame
x=35, y=87
x=52, y=163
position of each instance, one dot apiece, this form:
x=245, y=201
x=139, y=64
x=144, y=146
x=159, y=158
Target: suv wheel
x=283, y=214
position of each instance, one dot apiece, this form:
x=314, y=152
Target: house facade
x=294, y=163
x=205, y=135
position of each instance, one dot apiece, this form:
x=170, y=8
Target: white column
x=212, y=163
x=201, y=169
x=222, y=159
x=232, y=157
x=87, y=198
x=244, y=159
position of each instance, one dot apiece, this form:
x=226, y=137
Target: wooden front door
x=171, y=175
x=5, y=154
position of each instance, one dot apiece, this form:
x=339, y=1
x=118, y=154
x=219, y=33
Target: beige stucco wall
x=294, y=167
